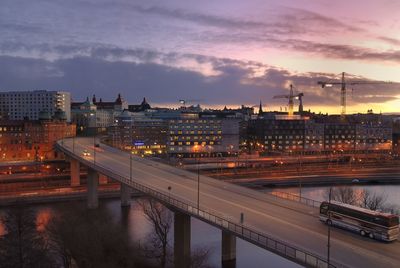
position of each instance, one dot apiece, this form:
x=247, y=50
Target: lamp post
x=301, y=165
x=196, y=150
x=169, y=192
x=94, y=136
x=329, y=228
x=130, y=152
x=198, y=183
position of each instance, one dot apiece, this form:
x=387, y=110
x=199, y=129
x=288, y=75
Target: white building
x=17, y=105
x=203, y=136
x=99, y=115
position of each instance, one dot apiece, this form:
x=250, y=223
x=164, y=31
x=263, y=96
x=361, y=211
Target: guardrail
x=208, y=215
x=297, y=198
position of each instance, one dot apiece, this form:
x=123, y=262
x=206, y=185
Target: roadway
x=284, y=220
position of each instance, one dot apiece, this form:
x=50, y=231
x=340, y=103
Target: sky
x=216, y=53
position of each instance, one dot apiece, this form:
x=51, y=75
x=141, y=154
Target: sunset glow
x=231, y=52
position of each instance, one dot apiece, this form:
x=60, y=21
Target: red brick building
x=32, y=140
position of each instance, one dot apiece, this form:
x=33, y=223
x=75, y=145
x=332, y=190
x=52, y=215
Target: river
x=207, y=236
x=203, y=235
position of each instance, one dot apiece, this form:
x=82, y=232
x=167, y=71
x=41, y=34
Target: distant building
x=140, y=134
x=313, y=136
x=339, y=137
x=324, y=134
x=20, y=105
x=33, y=140
x=139, y=108
x=179, y=134
x=273, y=135
x=205, y=137
x=396, y=137
x=95, y=116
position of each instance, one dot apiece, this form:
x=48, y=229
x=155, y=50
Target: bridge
x=284, y=227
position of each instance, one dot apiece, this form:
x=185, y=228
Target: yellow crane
x=343, y=83
x=291, y=98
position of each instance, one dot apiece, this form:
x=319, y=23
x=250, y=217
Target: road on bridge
x=284, y=220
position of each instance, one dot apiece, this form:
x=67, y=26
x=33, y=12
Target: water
x=202, y=235
x=207, y=236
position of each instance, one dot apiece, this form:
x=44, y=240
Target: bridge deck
x=284, y=220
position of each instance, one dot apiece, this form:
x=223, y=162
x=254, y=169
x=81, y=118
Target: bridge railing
x=208, y=215
x=296, y=198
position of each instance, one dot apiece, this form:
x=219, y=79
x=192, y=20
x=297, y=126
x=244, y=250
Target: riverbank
x=62, y=194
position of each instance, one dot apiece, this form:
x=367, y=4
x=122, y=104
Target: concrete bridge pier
x=228, y=251
x=92, y=191
x=126, y=192
x=75, y=172
x=181, y=240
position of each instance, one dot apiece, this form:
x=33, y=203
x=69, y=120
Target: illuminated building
x=276, y=133
x=27, y=140
x=213, y=137
x=140, y=134
x=396, y=137
x=95, y=116
x=326, y=134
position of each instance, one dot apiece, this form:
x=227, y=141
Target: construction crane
x=343, y=85
x=300, y=98
x=291, y=98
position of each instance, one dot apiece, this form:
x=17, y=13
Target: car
x=86, y=153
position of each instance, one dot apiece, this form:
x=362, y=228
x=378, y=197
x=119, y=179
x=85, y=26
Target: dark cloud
x=293, y=21
x=389, y=40
x=326, y=50
x=19, y=27
x=204, y=19
x=310, y=19
x=343, y=51
x=235, y=84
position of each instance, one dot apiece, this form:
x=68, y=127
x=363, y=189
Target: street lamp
x=130, y=152
x=329, y=228
x=94, y=135
x=301, y=165
x=169, y=192
x=196, y=150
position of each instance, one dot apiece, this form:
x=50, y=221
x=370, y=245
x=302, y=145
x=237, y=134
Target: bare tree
x=364, y=198
x=22, y=245
x=199, y=258
x=373, y=201
x=162, y=219
x=343, y=194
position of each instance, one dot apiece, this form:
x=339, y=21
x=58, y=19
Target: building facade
x=324, y=135
x=25, y=140
x=271, y=134
x=20, y=105
x=92, y=116
x=205, y=137
x=140, y=134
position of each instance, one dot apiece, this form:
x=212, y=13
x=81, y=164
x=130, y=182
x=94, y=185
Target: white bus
x=378, y=225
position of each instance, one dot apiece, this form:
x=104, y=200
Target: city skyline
x=221, y=53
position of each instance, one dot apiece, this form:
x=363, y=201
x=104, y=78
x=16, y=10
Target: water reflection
x=43, y=216
x=203, y=235
x=2, y=228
